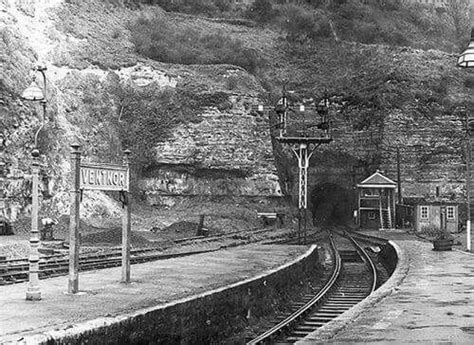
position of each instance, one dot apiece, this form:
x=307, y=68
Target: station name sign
x=104, y=177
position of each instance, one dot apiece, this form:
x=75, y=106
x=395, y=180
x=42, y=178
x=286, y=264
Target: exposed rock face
x=94, y=85
x=399, y=98
x=227, y=153
x=191, y=127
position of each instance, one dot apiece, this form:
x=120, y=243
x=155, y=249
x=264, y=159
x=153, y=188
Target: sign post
x=95, y=176
x=126, y=228
x=73, y=283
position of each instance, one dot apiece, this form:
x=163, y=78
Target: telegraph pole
x=399, y=177
x=470, y=128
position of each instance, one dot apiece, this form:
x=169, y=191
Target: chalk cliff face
x=96, y=84
x=228, y=152
x=191, y=128
x=387, y=99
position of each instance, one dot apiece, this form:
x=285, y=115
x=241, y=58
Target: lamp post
x=466, y=60
x=35, y=93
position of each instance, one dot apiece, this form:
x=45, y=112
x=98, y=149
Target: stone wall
x=208, y=318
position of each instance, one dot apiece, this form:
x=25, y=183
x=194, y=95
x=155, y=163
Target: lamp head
x=466, y=59
x=33, y=92
x=470, y=123
x=35, y=153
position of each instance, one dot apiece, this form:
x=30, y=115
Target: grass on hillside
x=165, y=41
x=390, y=22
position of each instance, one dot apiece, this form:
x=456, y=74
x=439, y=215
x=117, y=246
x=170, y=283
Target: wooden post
x=200, y=225
x=33, y=292
x=126, y=225
x=380, y=208
x=73, y=283
x=359, y=195
x=394, y=209
x=399, y=177
x=468, y=183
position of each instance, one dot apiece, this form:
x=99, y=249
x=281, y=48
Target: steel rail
x=368, y=238
x=11, y=277
x=12, y=272
x=116, y=250
x=304, y=310
x=366, y=258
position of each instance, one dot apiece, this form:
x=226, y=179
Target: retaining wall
x=206, y=318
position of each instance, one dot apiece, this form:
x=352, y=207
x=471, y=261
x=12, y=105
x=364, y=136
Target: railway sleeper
x=312, y=324
x=283, y=316
x=299, y=334
x=306, y=329
x=316, y=318
x=324, y=314
x=347, y=298
x=291, y=340
x=299, y=304
x=344, y=300
x=353, y=287
x=347, y=295
x=340, y=302
x=15, y=275
x=339, y=305
x=335, y=311
x=350, y=293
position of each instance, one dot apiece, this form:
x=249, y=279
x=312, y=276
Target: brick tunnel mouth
x=331, y=204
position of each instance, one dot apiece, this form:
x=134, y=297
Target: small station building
x=435, y=214
x=376, y=202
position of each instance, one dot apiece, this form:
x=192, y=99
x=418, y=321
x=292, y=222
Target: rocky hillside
x=191, y=126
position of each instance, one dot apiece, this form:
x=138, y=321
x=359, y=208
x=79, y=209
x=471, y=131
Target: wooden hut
x=438, y=214
x=376, y=202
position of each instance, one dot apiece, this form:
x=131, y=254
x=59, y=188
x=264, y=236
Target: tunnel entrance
x=331, y=204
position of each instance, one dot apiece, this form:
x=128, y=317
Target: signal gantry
x=303, y=135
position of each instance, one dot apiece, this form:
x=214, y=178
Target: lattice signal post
x=303, y=138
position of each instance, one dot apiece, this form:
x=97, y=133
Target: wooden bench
x=269, y=218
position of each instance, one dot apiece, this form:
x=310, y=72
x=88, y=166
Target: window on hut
x=424, y=212
x=450, y=212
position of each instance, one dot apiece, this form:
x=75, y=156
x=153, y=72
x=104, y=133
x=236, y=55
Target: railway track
x=17, y=273
x=354, y=277
x=16, y=270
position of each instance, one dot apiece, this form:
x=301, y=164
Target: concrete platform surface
x=432, y=303
x=153, y=284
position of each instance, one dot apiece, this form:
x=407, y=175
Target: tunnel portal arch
x=332, y=204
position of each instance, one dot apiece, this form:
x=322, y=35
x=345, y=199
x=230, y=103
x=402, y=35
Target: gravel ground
x=152, y=226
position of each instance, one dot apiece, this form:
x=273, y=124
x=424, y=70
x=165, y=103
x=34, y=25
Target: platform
x=432, y=301
x=153, y=284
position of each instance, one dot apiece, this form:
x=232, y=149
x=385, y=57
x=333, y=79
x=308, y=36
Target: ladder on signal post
x=303, y=146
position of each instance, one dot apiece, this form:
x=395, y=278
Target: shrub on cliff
x=301, y=24
x=205, y=7
x=163, y=41
x=148, y=114
x=261, y=11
